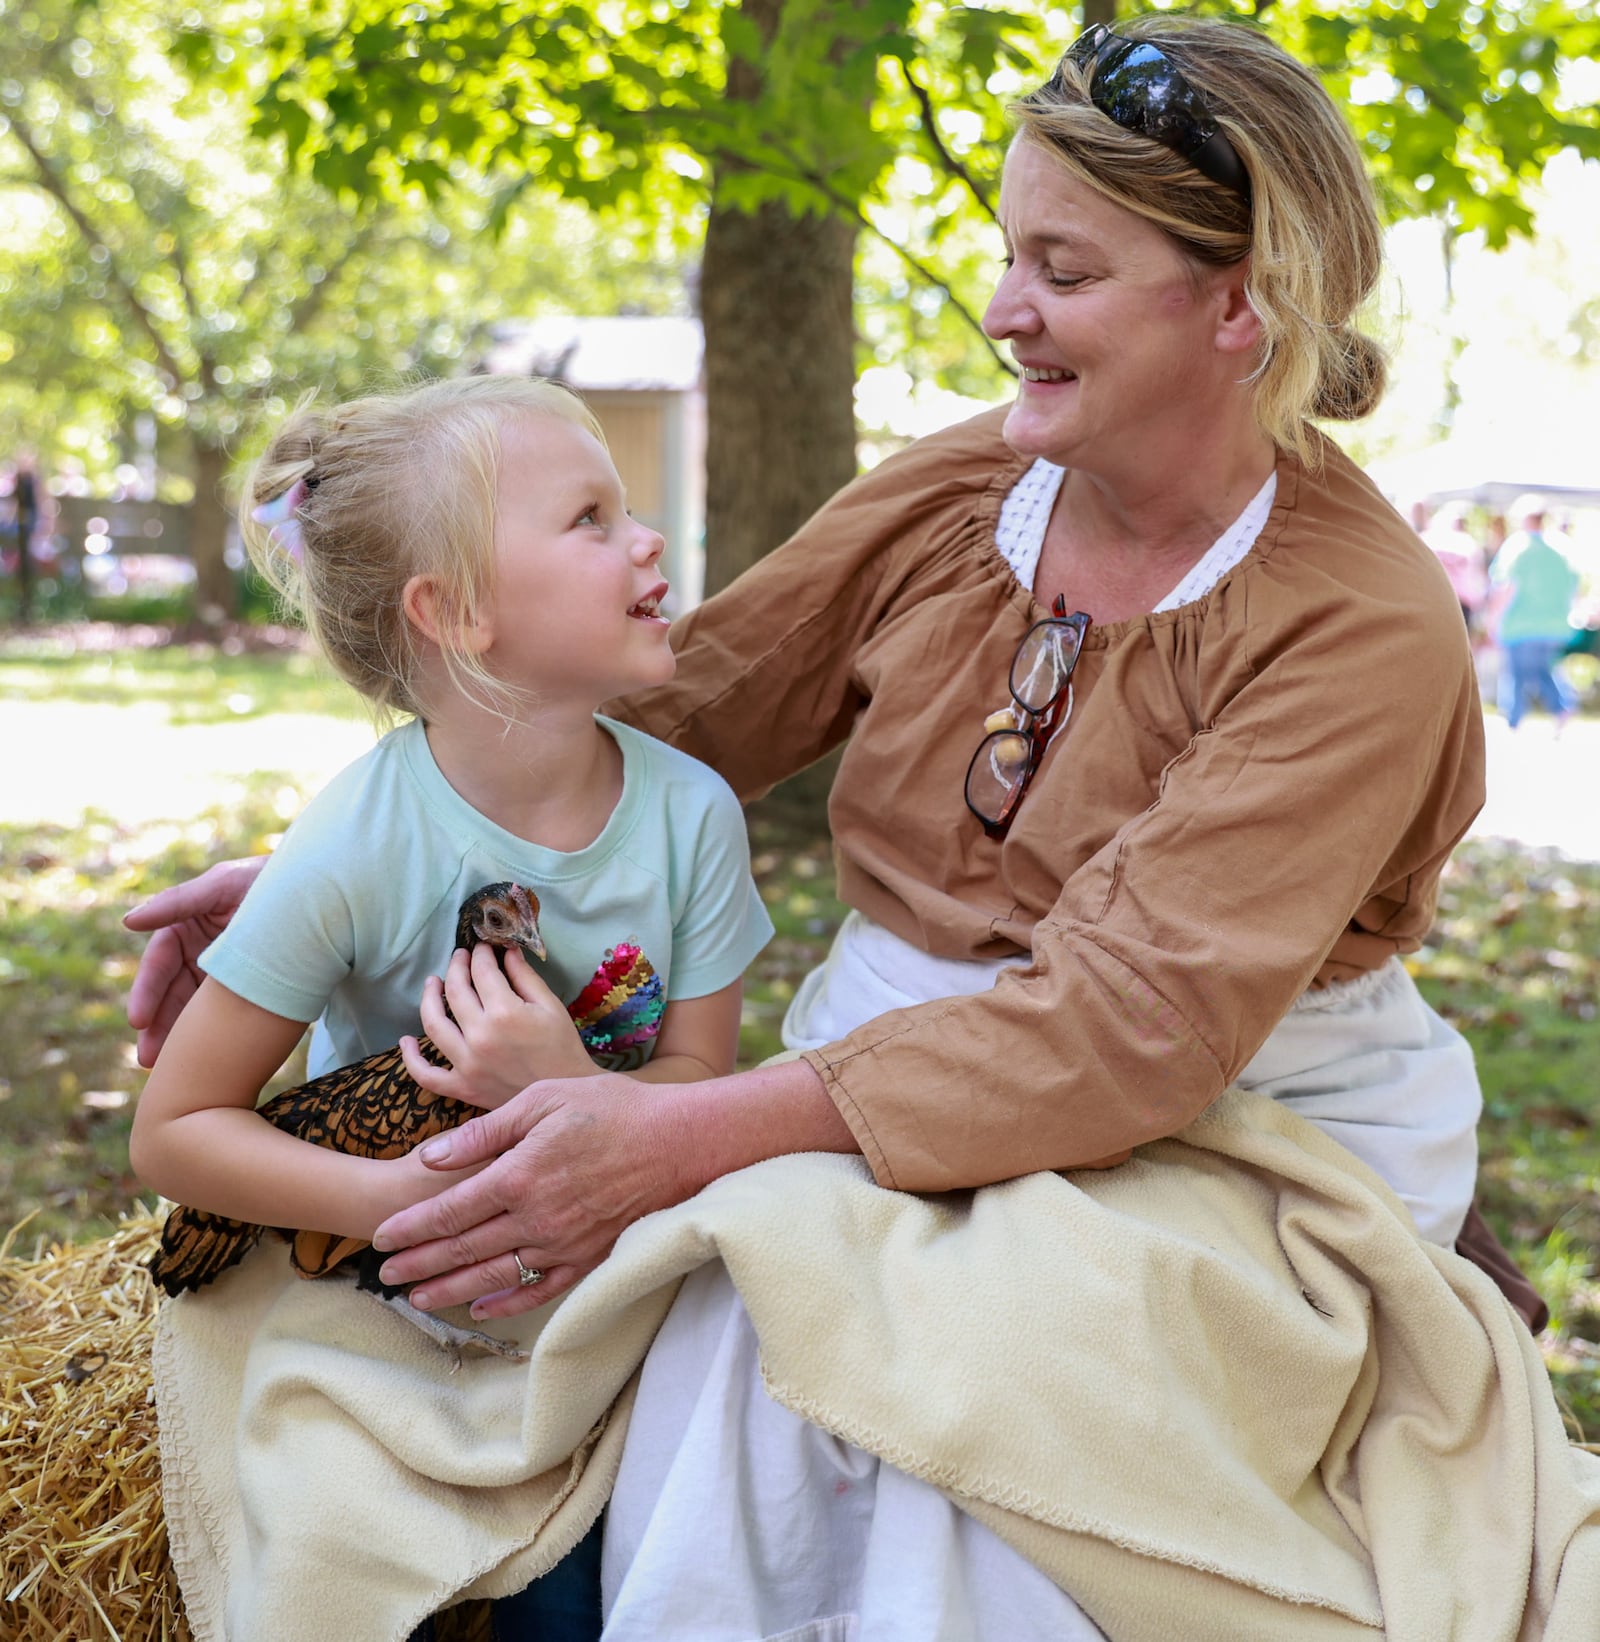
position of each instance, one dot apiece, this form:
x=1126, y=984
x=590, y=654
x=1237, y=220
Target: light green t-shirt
x=1543, y=586
x=358, y=905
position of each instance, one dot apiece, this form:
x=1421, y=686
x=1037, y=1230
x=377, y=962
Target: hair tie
x=280, y=516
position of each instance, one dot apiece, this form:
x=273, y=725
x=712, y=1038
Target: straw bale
x=83, y=1544
x=83, y=1547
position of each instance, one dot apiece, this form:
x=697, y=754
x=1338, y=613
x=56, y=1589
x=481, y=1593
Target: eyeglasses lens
x=1043, y=664
x=1000, y=766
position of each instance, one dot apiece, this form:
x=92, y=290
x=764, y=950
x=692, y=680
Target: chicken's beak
x=527, y=903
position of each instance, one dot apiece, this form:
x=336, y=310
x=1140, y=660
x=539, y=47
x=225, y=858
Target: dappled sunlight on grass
x=68, y=1077
x=196, y=684
x=1514, y=964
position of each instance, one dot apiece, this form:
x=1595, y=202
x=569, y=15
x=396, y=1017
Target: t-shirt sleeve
x=719, y=922
x=293, y=939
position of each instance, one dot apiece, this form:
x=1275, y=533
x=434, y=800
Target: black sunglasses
x=1040, y=681
x=1138, y=86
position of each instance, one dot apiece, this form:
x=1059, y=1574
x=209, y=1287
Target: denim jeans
x=560, y=1606
x=1529, y=673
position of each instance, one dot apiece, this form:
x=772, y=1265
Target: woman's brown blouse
x=1255, y=794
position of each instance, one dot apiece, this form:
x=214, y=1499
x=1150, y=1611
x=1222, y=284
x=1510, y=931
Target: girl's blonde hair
x=399, y=485
x=1310, y=229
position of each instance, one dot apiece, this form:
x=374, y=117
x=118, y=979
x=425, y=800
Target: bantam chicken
x=372, y=1108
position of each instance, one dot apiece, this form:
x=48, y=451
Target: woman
x=1185, y=853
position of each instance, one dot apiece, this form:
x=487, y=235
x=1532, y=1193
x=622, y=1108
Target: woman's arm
x=198, y=1139
x=185, y=919
x=572, y=1164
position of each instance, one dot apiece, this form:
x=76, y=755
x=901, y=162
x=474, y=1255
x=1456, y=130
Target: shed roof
x=627, y=351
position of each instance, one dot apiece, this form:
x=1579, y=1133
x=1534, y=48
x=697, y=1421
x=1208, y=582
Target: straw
x=83, y=1543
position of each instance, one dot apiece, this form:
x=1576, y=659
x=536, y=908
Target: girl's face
x=1118, y=343
x=574, y=614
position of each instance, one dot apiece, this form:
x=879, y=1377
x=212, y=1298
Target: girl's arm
x=198, y=1139
x=699, y=1038
x=502, y=1031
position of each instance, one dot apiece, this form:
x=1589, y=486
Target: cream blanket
x=1222, y=1391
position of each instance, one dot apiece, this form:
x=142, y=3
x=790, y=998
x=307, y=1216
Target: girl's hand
x=509, y=1030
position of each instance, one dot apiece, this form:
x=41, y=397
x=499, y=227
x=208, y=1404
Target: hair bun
x=1354, y=375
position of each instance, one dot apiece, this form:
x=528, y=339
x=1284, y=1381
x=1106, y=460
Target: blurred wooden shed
x=642, y=378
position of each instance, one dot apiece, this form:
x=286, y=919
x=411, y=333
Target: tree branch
x=55, y=185
x=311, y=301
x=852, y=208
x=949, y=160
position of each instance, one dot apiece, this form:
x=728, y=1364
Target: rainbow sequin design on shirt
x=618, y=1014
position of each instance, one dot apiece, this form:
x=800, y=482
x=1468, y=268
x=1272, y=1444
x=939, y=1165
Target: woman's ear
x=430, y=609
x=1238, y=323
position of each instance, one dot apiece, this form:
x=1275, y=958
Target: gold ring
x=527, y=1276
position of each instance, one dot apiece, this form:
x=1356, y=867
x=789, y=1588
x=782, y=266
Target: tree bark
x=215, y=593
x=776, y=294
x=775, y=299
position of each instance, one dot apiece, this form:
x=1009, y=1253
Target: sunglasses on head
x=1139, y=87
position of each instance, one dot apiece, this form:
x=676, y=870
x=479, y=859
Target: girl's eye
x=589, y=516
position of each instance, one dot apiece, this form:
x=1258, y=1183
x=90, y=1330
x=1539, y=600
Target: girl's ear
x=430, y=610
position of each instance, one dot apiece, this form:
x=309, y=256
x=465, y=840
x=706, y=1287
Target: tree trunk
x=775, y=299
x=27, y=522
x=215, y=593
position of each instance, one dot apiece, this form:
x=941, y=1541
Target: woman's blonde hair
x=1310, y=228
x=398, y=485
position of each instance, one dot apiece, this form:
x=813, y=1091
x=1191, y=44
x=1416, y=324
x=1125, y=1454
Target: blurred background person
x=1532, y=589
x=25, y=501
x=1464, y=560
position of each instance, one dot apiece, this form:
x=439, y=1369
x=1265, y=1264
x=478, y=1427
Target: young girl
x=463, y=554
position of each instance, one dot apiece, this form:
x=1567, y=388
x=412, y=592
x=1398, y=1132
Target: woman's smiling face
x=1113, y=329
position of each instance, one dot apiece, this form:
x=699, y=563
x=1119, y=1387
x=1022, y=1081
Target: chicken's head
x=503, y=915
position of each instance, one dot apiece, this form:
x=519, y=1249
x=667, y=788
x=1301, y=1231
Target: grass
x=1514, y=962
x=252, y=673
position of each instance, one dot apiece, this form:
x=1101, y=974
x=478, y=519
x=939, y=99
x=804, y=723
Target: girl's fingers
x=431, y=1009
x=437, y=1022
x=459, y=991
x=437, y=1080
x=526, y=982
x=492, y=987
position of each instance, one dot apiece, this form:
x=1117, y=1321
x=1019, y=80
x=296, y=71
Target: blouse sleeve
x=766, y=678
x=1323, y=769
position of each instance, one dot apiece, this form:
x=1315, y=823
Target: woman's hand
x=508, y=1030
x=186, y=919
x=577, y=1161
x=583, y=1159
